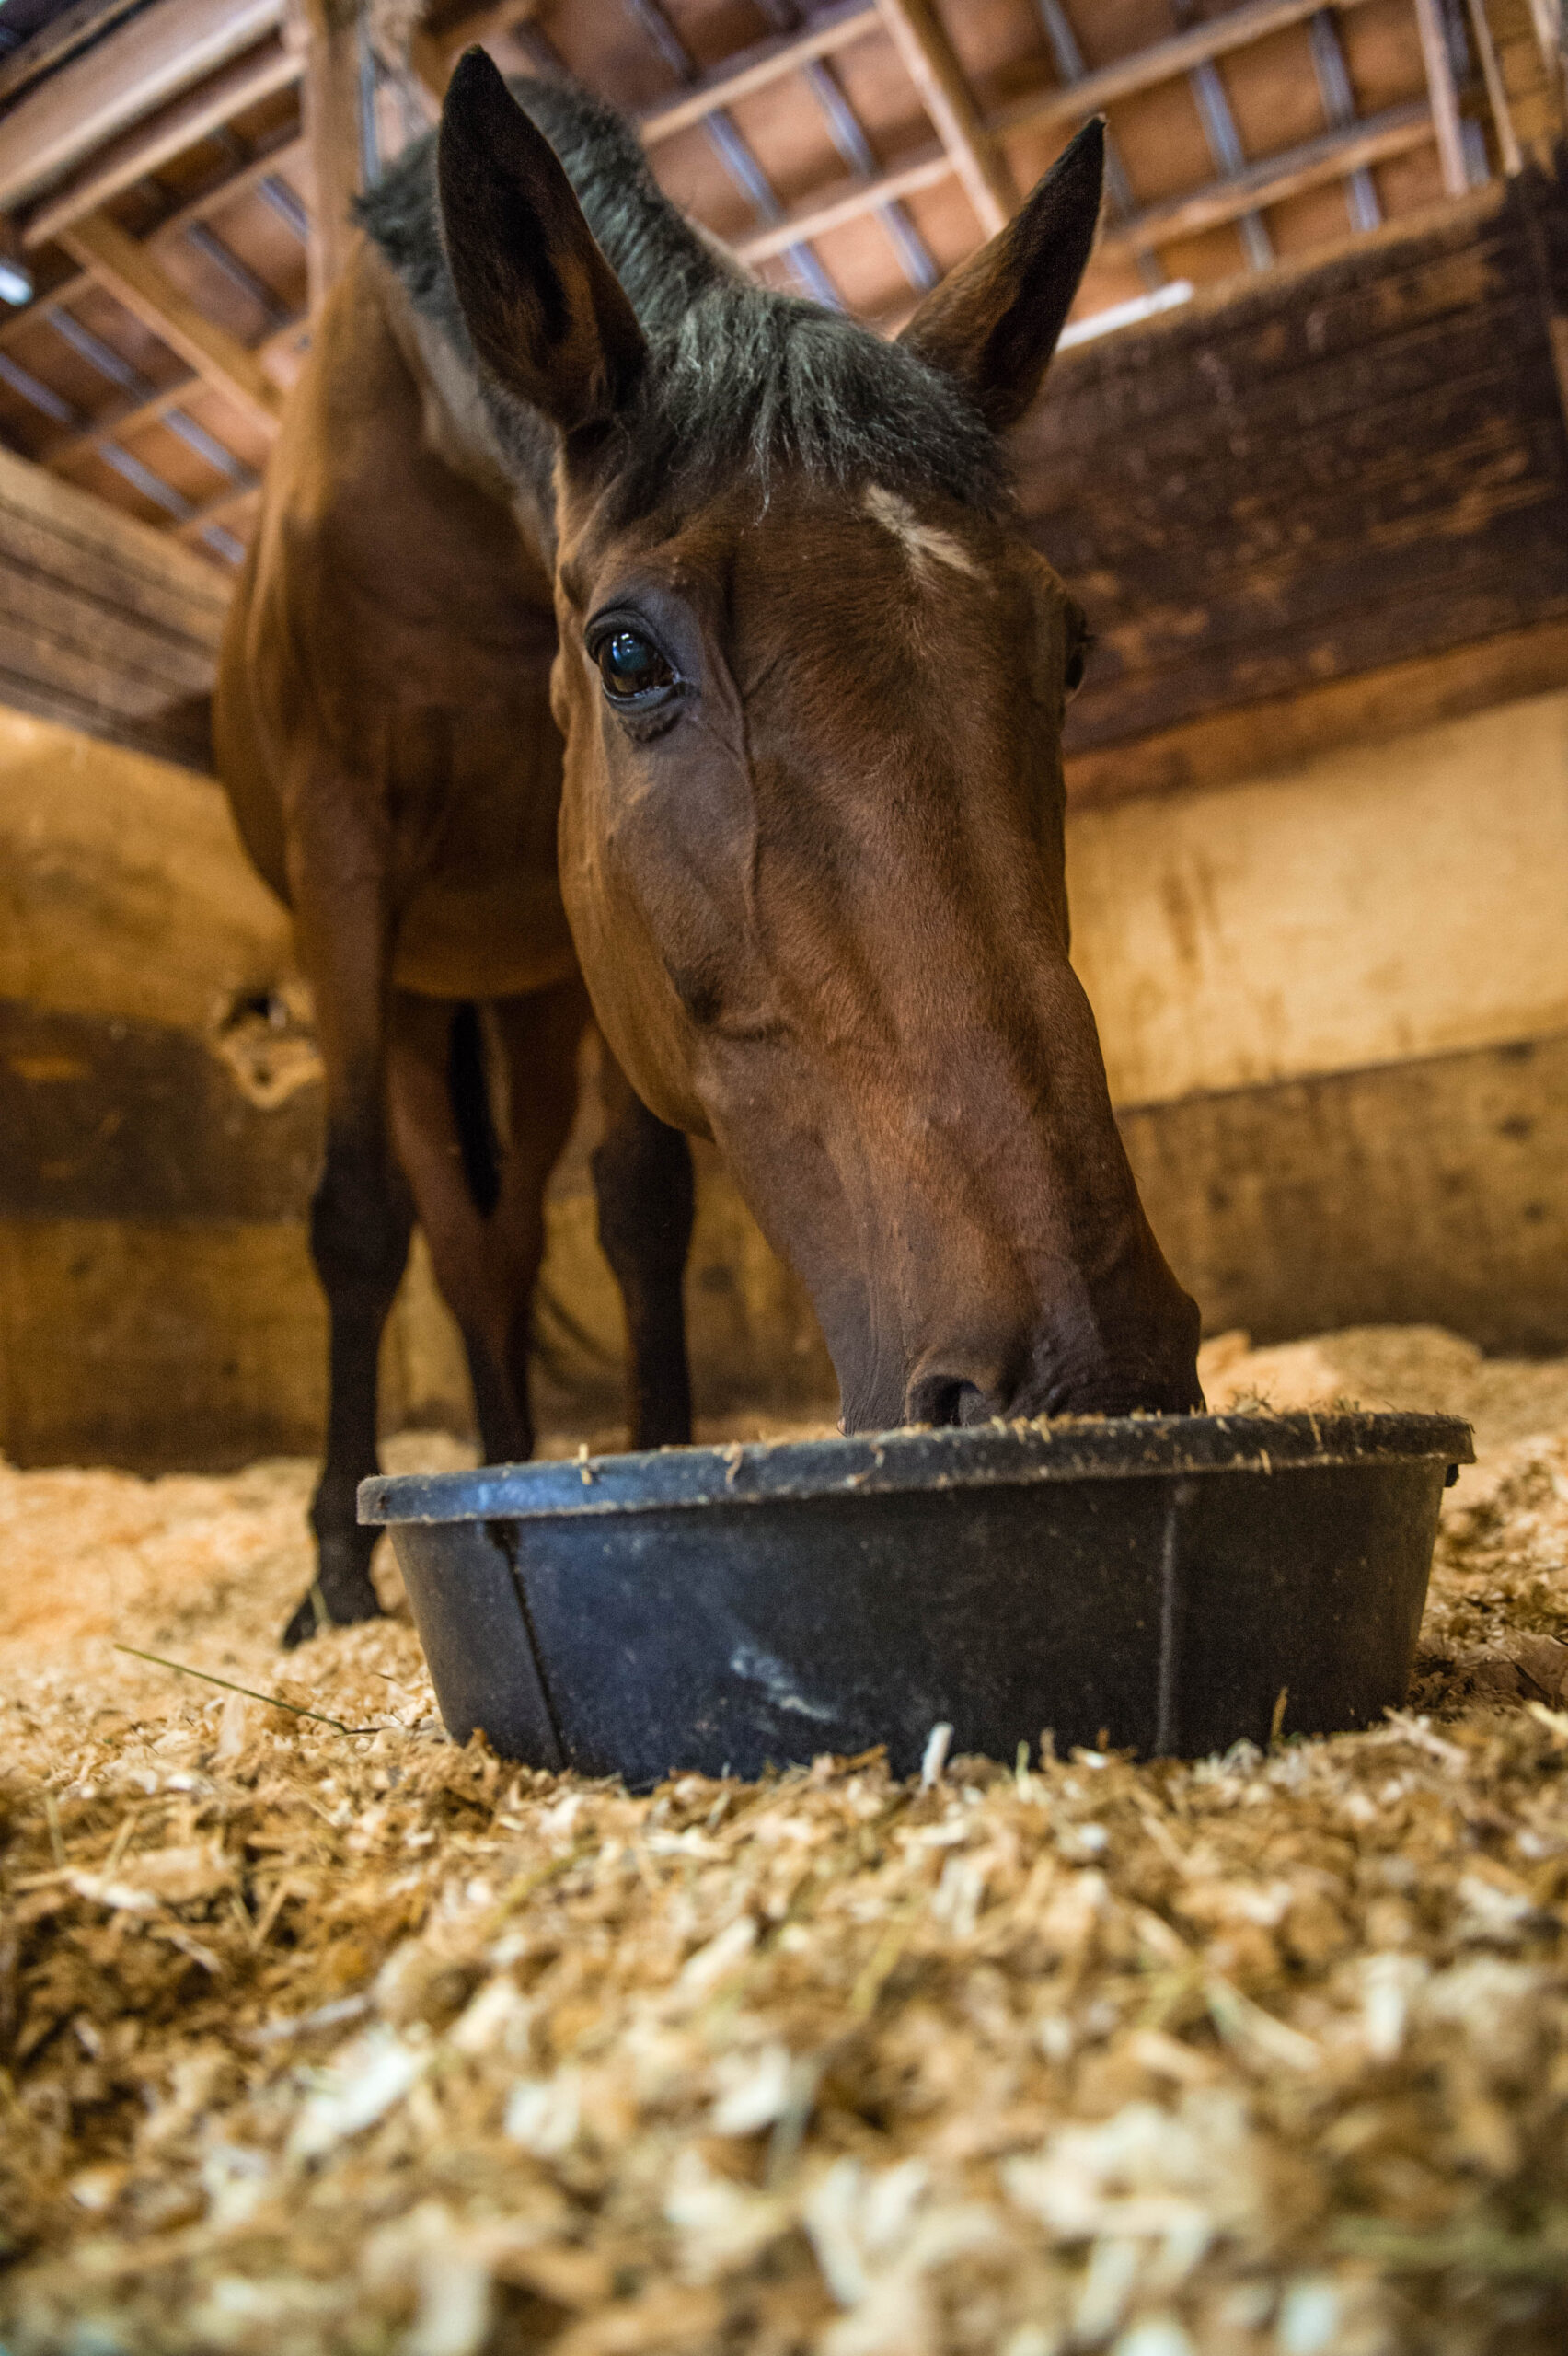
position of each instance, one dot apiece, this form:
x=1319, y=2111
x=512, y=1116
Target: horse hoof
x=340, y=1612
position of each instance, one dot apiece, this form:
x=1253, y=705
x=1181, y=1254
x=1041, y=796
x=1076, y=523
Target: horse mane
x=741, y=377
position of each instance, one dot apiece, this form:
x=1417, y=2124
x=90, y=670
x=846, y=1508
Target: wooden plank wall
x=1342, y=469
x=1427, y=1192
x=104, y=624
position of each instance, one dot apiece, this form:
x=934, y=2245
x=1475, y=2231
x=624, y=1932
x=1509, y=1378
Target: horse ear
x=547, y=315
x=993, y=323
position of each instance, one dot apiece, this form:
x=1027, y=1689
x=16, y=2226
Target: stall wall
x=1335, y=1006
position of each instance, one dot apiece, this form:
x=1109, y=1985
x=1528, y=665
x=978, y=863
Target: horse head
x=811, y=678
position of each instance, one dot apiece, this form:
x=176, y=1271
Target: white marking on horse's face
x=924, y=544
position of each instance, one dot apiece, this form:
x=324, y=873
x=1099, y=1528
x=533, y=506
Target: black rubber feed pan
x=1153, y=1582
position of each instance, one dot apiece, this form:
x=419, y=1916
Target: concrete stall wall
x=1335, y=1006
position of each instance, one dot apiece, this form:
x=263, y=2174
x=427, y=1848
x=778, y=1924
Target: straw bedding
x=318, y=2039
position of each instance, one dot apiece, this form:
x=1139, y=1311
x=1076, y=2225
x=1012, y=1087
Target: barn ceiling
x=173, y=173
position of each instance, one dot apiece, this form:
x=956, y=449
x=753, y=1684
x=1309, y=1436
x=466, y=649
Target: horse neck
x=459, y=426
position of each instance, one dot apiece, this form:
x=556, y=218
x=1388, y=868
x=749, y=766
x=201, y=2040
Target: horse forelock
x=744, y=380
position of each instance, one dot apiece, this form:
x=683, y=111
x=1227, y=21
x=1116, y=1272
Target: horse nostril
x=946, y=1401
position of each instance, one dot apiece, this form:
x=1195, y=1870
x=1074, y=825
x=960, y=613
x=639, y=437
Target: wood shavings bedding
x=322, y=2042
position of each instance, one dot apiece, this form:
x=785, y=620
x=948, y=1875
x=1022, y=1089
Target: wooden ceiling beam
x=921, y=39
x=134, y=69
x=1268, y=181
x=82, y=442
x=814, y=220
x=128, y=272
x=221, y=510
x=167, y=233
x=1164, y=61
x=271, y=66
x=1273, y=179
x=72, y=29
x=756, y=69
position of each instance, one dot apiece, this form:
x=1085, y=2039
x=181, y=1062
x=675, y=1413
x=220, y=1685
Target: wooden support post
x=328, y=31
x=126, y=271
x=1445, y=98
x=921, y=40
x=1497, y=95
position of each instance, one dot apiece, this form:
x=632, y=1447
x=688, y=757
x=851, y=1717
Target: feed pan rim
x=995, y=1455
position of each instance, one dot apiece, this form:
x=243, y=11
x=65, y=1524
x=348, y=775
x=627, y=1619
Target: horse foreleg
x=480, y=1180
x=360, y=1220
x=643, y=1180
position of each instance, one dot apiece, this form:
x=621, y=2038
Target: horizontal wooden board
x=1281, y=732
x=105, y=1118
x=178, y=732
x=1431, y=1192
x=1336, y=471
x=159, y=1347
x=104, y=624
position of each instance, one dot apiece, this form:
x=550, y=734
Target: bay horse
x=621, y=634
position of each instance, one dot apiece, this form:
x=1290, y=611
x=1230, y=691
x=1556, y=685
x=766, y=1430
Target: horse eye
x=631, y=667
x=1075, y=661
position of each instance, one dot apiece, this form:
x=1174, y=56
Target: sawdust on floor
x=320, y=2034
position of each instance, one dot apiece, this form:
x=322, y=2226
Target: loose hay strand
x=251, y=1693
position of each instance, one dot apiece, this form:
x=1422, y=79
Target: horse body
x=382, y=728
x=394, y=631
x=802, y=729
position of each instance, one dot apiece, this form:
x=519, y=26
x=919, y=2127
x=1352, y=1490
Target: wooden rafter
x=756, y=69
x=322, y=42
x=130, y=274
x=86, y=20
x=110, y=424
x=1163, y=61
x=180, y=123
x=927, y=169
x=220, y=511
x=921, y=39
x=1275, y=178
x=269, y=160
x=1443, y=95
x=133, y=69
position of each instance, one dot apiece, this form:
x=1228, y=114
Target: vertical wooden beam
x=1496, y=94
x=921, y=39
x=328, y=33
x=1443, y=95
